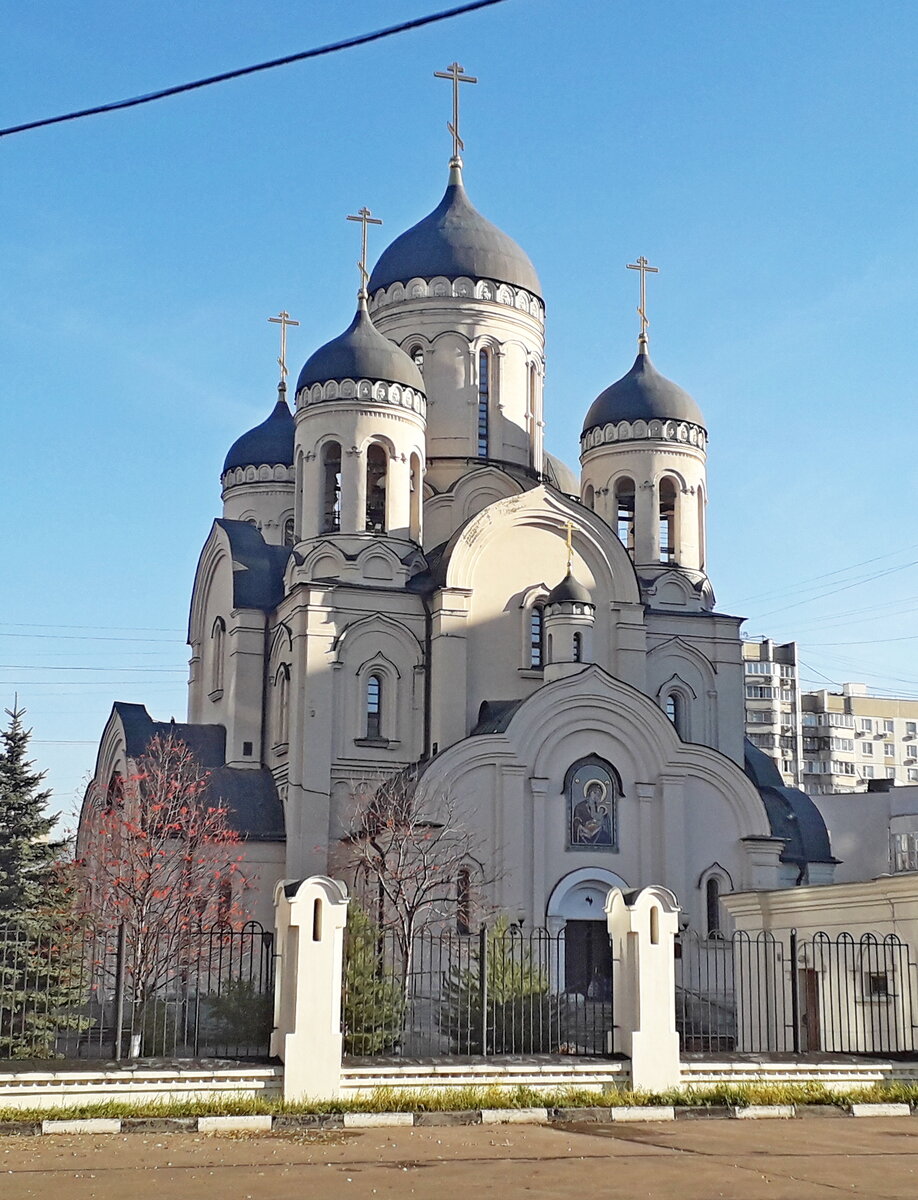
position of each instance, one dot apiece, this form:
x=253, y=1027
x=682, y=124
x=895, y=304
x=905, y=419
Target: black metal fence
x=500, y=991
x=89, y=992
x=793, y=994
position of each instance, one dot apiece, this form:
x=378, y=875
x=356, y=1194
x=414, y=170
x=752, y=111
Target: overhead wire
x=362, y=39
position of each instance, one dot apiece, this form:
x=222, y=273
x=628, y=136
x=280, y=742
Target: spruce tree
x=39, y=971
x=29, y=878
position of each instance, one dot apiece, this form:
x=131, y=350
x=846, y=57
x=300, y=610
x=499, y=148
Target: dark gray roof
x=250, y=794
x=453, y=240
x=791, y=813
x=270, y=442
x=258, y=569
x=494, y=716
x=569, y=591
x=560, y=475
x=361, y=352
x=642, y=395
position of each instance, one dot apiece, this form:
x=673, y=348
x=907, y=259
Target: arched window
x=536, y=637
x=464, y=901
x=667, y=520
x=712, y=906
x=484, y=401
x=374, y=706
x=624, y=512
x=331, y=487
x=701, y=547
x=674, y=707
x=531, y=411
x=377, y=465
x=415, y=484
x=578, y=648
x=289, y=535
x=592, y=788
x=588, y=496
x=416, y=354
x=114, y=797
x=282, y=686
x=217, y=654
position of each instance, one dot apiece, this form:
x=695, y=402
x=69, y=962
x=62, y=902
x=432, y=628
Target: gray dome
x=361, y=352
x=569, y=591
x=560, y=475
x=642, y=395
x=270, y=443
x=453, y=240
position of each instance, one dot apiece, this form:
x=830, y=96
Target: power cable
x=345, y=44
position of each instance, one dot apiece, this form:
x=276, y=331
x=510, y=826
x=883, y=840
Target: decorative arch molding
x=715, y=869
x=540, y=506
x=438, y=287
x=678, y=648
x=394, y=395
x=376, y=626
x=680, y=432
x=324, y=550
x=570, y=897
x=676, y=683
x=216, y=555
x=281, y=642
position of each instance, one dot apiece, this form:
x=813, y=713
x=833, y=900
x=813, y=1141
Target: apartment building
x=851, y=738
x=773, y=712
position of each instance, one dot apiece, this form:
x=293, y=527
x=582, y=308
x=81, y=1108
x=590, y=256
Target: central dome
x=453, y=240
x=361, y=352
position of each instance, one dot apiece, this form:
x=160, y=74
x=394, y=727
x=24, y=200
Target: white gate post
x=642, y=928
x=310, y=916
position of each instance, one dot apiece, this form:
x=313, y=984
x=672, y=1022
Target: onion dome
x=269, y=443
x=453, y=240
x=642, y=395
x=568, y=591
x=361, y=352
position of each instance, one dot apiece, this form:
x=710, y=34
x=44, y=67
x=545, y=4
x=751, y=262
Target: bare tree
x=418, y=863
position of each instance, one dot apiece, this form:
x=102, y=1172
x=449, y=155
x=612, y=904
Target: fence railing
x=500, y=991
x=82, y=991
x=793, y=994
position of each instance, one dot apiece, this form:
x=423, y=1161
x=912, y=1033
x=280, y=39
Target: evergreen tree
x=373, y=1003
x=39, y=969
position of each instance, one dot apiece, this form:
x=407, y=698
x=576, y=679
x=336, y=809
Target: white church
x=403, y=577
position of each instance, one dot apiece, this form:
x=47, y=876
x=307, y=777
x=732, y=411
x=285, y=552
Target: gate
x=501, y=991
x=790, y=994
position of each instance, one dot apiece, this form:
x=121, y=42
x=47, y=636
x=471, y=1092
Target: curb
x=292, y=1122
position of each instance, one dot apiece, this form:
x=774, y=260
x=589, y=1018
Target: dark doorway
x=809, y=1018
x=588, y=959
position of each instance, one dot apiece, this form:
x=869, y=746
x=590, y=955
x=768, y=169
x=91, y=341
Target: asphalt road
x=698, y=1160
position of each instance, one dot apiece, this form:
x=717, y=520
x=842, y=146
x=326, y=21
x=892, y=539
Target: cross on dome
x=283, y=319
x=643, y=266
x=366, y=218
x=456, y=74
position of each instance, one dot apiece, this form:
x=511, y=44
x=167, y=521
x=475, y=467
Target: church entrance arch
x=576, y=913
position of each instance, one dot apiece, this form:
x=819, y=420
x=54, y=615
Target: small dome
x=361, y=352
x=569, y=591
x=642, y=395
x=560, y=476
x=269, y=443
x=453, y=240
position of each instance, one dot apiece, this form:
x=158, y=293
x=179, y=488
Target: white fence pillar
x=310, y=916
x=642, y=927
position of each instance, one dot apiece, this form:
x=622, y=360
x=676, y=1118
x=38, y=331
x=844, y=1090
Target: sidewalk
x=696, y=1160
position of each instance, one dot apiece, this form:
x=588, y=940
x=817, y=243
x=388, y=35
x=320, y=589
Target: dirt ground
x=698, y=1160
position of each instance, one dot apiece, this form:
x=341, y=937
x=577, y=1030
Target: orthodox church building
x=402, y=577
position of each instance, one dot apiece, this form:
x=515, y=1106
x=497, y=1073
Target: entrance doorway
x=588, y=960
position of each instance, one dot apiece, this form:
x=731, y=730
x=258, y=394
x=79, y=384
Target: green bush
x=373, y=1000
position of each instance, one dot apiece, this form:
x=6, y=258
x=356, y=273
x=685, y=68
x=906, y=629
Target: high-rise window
x=484, y=401
x=331, y=487
x=624, y=512
x=377, y=464
x=667, y=520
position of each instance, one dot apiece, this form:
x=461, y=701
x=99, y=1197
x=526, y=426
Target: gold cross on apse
x=455, y=73
x=283, y=319
x=365, y=218
x=642, y=266
x=569, y=526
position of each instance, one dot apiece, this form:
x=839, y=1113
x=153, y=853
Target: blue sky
x=763, y=156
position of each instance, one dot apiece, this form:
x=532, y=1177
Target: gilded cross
x=283, y=319
x=365, y=218
x=569, y=526
x=642, y=266
x=455, y=73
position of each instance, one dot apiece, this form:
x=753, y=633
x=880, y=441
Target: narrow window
x=289, y=536
x=317, y=920
x=415, y=499
x=654, y=926
x=578, y=647
x=416, y=354
x=374, y=706
x=588, y=499
x=531, y=412
x=624, y=512
x=282, y=684
x=484, y=389
x=464, y=901
x=673, y=709
x=712, y=906
x=331, y=487
x=536, y=637
x=377, y=464
x=218, y=650
x=667, y=521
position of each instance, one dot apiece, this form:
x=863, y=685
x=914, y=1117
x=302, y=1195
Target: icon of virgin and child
x=592, y=800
